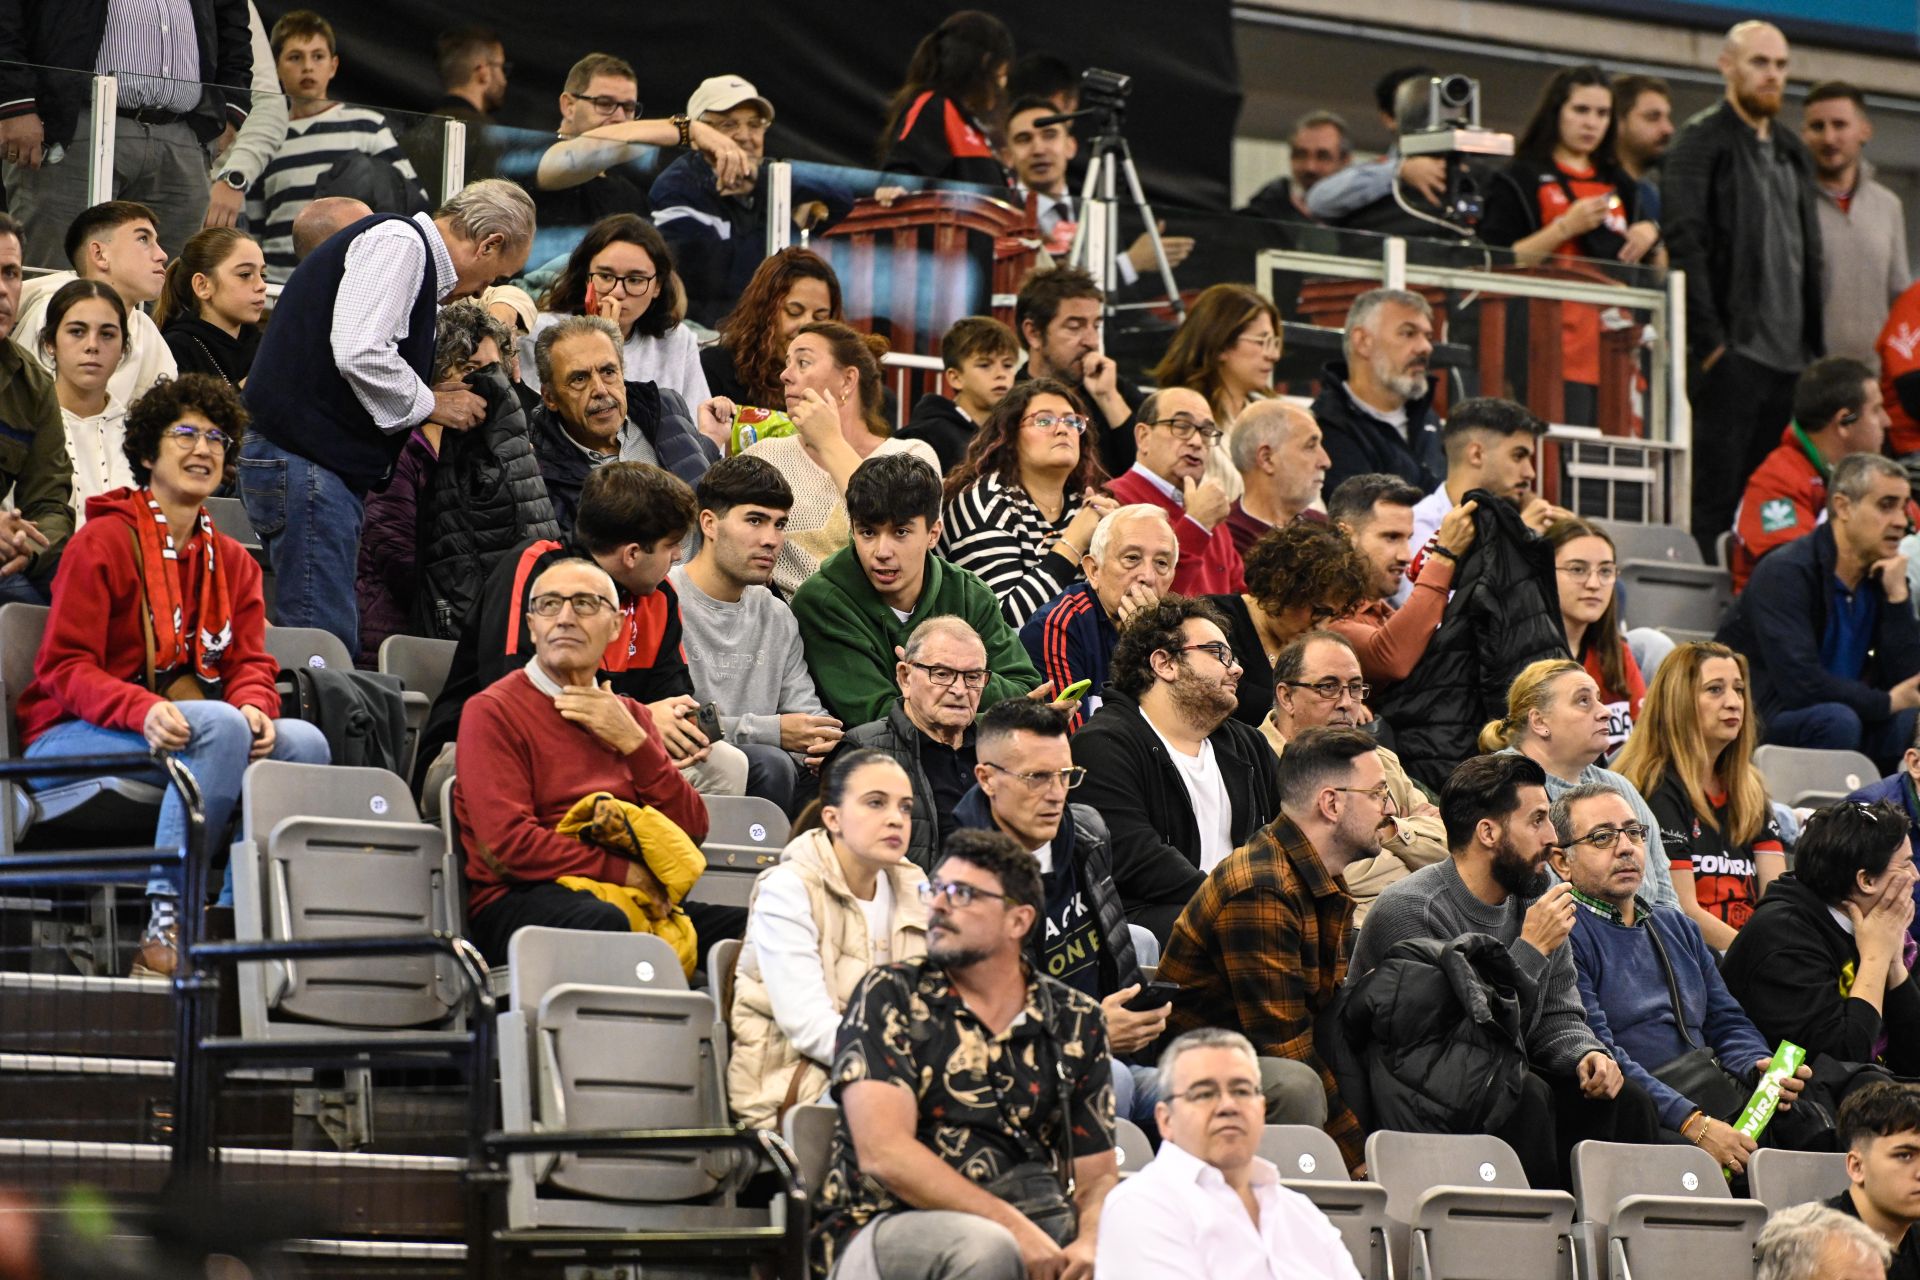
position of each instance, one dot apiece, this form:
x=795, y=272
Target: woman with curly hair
x=178, y=662
x=1299, y=576
x=792, y=288
x=1021, y=508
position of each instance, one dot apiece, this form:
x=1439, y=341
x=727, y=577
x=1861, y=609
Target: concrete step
x=93, y=1017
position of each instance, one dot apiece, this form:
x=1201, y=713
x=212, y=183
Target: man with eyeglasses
x=1023, y=779
x=1317, y=685
x=1173, y=437
x=532, y=745
x=1208, y=1205
x=1633, y=961
x=975, y=1136
x=1180, y=782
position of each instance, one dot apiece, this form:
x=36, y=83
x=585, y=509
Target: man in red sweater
x=1173, y=436
x=533, y=743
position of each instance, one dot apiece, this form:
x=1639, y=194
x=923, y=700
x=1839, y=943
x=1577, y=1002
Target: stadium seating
x=1460, y=1206
x=1311, y=1164
x=1661, y=1211
x=1782, y=1179
x=1810, y=776
x=1131, y=1147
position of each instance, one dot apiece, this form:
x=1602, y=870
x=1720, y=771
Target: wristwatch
x=685, y=125
x=235, y=179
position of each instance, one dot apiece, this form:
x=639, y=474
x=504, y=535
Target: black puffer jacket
x=1433, y=1038
x=1505, y=613
x=483, y=499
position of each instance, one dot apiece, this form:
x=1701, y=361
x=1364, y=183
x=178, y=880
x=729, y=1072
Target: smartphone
x=1075, y=691
x=1153, y=995
x=707, y=721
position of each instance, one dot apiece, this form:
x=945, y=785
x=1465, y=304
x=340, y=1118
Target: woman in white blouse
x=843, y=899
x=84, y=339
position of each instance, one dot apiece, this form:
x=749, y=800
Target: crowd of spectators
x=1134, y=737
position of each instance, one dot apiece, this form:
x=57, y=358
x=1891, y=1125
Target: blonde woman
x=1556, y=718
x=1692, y=757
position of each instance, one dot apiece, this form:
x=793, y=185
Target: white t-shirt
x=1207, y=793
x=879, y=914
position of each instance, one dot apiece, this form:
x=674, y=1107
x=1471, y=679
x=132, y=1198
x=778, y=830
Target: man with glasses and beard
x=1496, y=883
x=1180, y=783
x=975, y=1136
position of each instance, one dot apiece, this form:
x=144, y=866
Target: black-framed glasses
x=186, y=436
x=1380, y=795
x=1604, y=838
x=634, y=282
x=606, y=106
x=1048, y=421
x=945, y=676
x=956, y=893
x=1069, y=777
x=1206, y=1095
x=1183, y=428
x=1220, y=649
x=1331, y=689
x=585, y=604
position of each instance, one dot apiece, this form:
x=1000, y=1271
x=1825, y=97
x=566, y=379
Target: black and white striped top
x=995, y=530
x=313, y=146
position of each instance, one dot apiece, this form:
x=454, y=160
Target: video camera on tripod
x=1441, y=117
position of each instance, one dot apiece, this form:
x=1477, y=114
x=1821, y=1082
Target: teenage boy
x=115, y=242
x=1879, y=1129
x=868, y=596
x=980, y=354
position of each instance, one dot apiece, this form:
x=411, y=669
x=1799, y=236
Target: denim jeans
x=217, y=756
x=309, y=523
x=931, y=1244
x=771, y=774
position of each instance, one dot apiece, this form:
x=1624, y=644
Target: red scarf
x=173, y=647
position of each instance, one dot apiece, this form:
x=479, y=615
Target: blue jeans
x=216, y=753
x=1834, y=726
x=309, y=523
x=771, y=774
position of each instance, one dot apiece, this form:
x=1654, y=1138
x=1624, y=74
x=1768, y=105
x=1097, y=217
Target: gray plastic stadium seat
x=326, y=851
x=1653, y=542
x=808, y=1129
x=1675, y=596
x=541, y=958
x=745, y=835
x=1782, y=1179
x=1665, y=1210
x=1466, y=1210
x=1812, y=776
x=722, y=957
x=293, y=647
x=422, y=664
x=1131, y=1147
x=112, y=807
x=1310, y=1163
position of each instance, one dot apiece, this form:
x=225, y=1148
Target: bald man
x=1742, y=220
x=315, y=224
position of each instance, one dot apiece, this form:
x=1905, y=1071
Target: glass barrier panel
x=46, y=158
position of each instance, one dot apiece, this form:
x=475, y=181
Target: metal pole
x=453, y=157
x=106, y=107
x=1393, y=268
x=1679, y=408
x=779, y=206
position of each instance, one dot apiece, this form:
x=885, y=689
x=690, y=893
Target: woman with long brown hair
x=1226, y=351
x=942, y=122
x=1587, y=567
x=792, y=288
x=210, y=306
x=1691, y=755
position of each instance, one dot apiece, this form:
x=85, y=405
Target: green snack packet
x=1787, y=1059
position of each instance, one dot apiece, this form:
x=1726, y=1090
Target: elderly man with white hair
x=341, y=382
x=1277, y=449
x=1376, y=404
x=1812, y=1242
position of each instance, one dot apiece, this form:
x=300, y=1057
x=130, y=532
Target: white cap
x=724, y=93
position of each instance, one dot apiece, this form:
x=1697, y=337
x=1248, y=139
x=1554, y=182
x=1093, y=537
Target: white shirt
x=1177, y=496
x=1397, y=419
x=1178, y=1217
x=879, y=914
x=99, y=461
x=1207, y=792
x=781, y=931
x=385, y=267
x=1427, y=515
x=148, y=358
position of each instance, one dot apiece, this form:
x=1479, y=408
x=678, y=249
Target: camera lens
x=1456, y=91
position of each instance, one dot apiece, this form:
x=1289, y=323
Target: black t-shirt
x=1906, y=1259
x=1069, y=930
x=1725, y=880
x=950, y=775
x=582, y=206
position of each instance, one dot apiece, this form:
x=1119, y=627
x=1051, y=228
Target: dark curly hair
x=1843, y=840
x=568, y=294
x=995, y=447
x=1307, y=563
x=751, y=331
x=995, y=853
x=161, y=408
x=1156, y=629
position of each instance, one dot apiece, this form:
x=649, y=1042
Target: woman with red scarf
x=156, y=639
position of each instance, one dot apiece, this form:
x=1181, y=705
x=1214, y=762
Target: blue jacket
x=1069, y=639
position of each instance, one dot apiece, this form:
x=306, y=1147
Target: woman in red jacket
x=157, y=634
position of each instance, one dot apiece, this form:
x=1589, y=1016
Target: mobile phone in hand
x=1153, y=995
x=707, y=721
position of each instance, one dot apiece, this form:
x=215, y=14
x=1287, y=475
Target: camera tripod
x=1096, y=242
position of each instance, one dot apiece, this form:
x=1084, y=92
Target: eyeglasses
x=1604, y=838
x=1379, y=795
x=1240, y=1092
x=734, y=128
x=585, y=605
x=1580, y=571
x=1222, y=652
x=1331, y=689
x=1069, y=778
x=1048, y=421
x=634, y=282
x=945, y=676
x=956, y=893
x=187, y=436
x=1183, y=429
x=605, y=106
x=1269, y=345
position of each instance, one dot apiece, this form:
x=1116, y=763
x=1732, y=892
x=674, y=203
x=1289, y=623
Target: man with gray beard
x=1376, y=405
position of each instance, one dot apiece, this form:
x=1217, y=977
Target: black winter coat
x=1433, y=1039
x=663, y=418
x=1358, y=443
x=484, y=498
x=1505, y=614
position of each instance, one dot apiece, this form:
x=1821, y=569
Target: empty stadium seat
x=1661, y=542
x=1811, y=777
x=1652, y=1211
x=294, y=647
x=1310, y=1163
x=745, y=835
x=422, y=664
x=808, y=1129
x=1131, y=1147
x=1782, y=1179
x=1686, y=600
x=1460, y=1206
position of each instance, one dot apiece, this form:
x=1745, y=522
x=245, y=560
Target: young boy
x=1879, y=1129
x=980, y=355
x=331, y=149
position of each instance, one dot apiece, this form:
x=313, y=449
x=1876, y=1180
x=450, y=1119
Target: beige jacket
x=1422, y=838
x=762, y=1069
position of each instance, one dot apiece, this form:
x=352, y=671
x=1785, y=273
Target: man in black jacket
x=1057, y=316
x=1179, y=781
x=179, y=89
x=1375, y=407
x=1024, y=773
x=1742, y=220
x=1827, y=623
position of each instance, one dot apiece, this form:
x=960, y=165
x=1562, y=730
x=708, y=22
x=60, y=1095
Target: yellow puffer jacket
x=665, y=865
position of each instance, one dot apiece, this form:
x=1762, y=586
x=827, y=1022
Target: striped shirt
x=313, y=146
x=994, y=529
x=152, y=47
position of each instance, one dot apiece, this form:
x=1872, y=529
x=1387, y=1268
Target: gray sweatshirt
x=746, y=658
x=1863, y=265
x=1434, y=902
